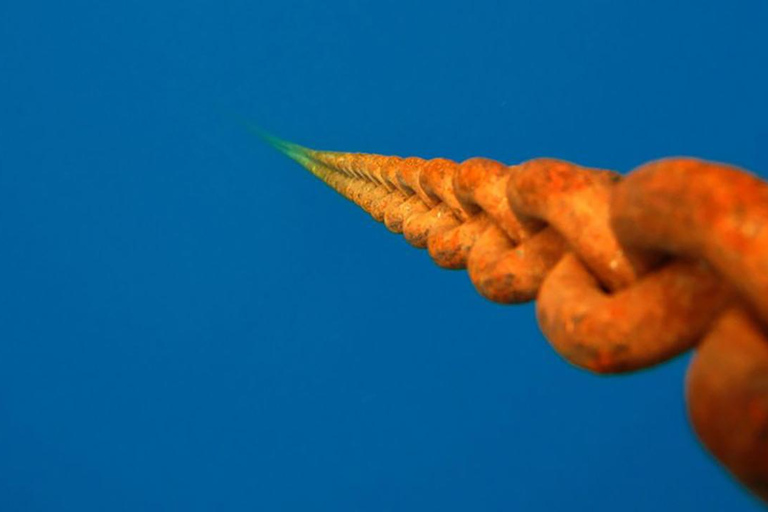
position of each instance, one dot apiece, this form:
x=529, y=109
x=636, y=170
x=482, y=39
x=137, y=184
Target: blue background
x=189, y=321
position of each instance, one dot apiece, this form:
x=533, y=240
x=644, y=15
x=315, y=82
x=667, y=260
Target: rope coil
x=627, y=272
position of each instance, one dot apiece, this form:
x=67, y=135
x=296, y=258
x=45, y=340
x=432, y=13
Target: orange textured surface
x=626, y=272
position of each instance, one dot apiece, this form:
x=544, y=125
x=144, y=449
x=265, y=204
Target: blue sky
x=190, y=321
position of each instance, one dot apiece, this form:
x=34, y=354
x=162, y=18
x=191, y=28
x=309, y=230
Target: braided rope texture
x=627, y=272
